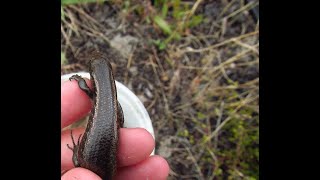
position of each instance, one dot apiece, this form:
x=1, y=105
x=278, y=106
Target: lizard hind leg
x=75, y=150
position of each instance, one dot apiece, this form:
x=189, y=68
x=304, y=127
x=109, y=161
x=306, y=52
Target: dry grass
x=201, y=91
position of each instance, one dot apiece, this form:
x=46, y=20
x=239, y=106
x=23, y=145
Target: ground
x=195, y=67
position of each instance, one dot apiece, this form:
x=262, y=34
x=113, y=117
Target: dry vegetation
x=194, y=65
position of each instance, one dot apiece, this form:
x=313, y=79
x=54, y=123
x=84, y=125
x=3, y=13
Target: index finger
x=75, y=104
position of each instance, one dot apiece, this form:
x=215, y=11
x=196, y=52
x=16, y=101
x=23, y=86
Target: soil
x=179, y=87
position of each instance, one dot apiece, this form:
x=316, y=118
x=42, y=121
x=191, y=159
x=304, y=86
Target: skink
x=97, y=149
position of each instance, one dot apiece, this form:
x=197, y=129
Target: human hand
x=135, y=144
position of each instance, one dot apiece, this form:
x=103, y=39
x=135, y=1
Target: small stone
x=123, y=44
x=148, y=93
x=134, y=70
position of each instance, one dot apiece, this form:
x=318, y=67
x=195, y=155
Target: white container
x=135, y=114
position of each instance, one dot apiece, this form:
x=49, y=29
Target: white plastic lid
x=135, y=114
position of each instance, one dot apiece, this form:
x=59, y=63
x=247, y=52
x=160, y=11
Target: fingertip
x=75, y=104
x=154, y=167
x=161, y=162
x=79, y=174
x=135, y=145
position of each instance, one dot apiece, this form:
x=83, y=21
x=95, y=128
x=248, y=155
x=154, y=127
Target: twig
x=245, y=7
x=218, y=124
x=231, y=40
x=195, y=163
x=68, y=43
